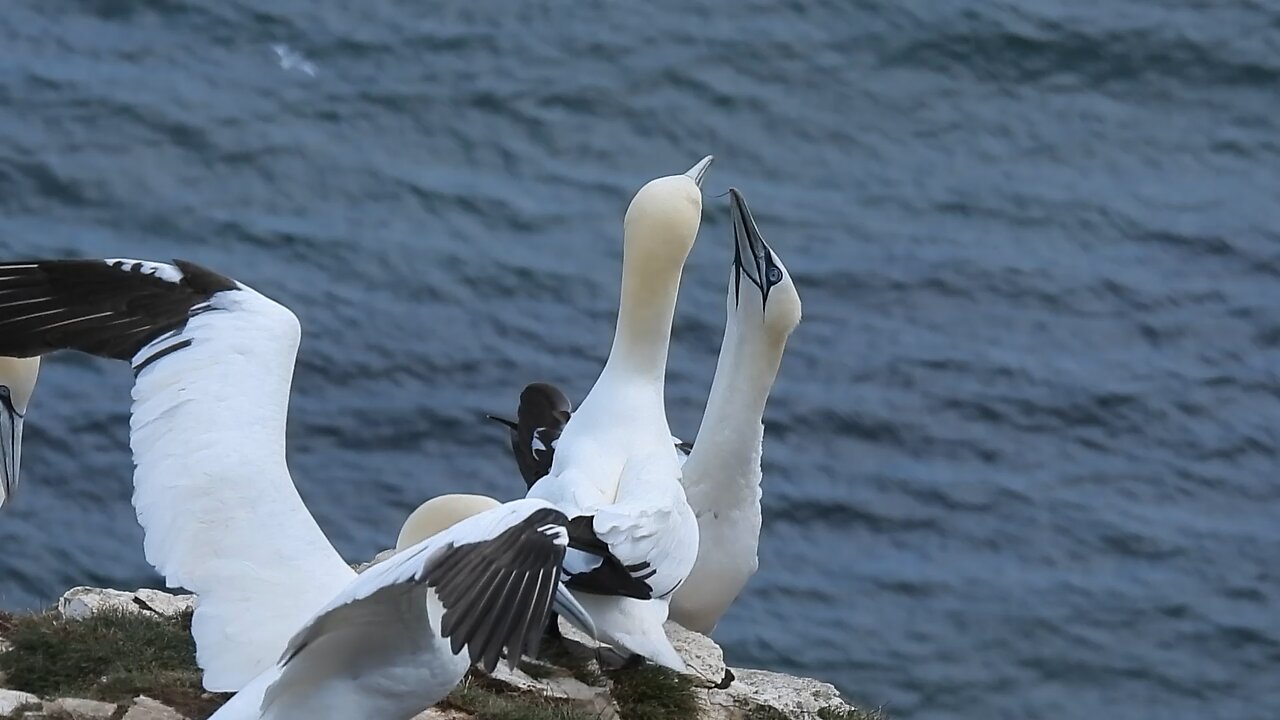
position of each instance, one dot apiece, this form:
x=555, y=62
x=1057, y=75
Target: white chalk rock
x=796, y=697
x=11, y=700
x=144, y=708
x=82, y=709
x=702, y=656
x=441, y=714
x=81, y=602
x=162, y=603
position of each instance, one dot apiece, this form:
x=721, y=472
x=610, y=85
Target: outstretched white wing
x=485, y=585
x=214, y=363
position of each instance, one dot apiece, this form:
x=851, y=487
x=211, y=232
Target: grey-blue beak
x=751, y=256
x=699, y=171
x=10, y=446
x=565, y=604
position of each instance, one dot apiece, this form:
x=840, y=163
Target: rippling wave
x=1020, y=460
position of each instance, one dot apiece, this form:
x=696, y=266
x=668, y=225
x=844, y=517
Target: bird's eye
x=775, y=275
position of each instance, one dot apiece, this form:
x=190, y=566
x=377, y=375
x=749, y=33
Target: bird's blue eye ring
x=775, y=275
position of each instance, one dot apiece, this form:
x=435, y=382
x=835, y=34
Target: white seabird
x=213, y=363
x=439, y=513
x=722, y=476
x=615, y=472
x=721, y=473
x=17, y=381
x=391, y=644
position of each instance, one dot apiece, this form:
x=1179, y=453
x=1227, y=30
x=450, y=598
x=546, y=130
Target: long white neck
x=645, y=313
x=726, y=452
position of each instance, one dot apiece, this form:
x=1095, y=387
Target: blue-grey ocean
x=1021, y=458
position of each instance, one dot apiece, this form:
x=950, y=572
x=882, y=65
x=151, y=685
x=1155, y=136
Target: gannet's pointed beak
x=697, y=172
x=17, y=382
x=565, y=604
x=751, y=256
x=10, y=446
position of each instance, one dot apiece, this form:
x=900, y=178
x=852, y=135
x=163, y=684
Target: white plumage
x=615, y=463
x=279, y=613
x=212, y=490
x=375, y=652
x=722, y=475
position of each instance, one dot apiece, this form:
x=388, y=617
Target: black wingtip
x=203, y=280
x=611, y=577
x=489, y=604
x=107, y=308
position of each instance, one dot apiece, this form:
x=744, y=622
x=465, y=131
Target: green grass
x=485, y=700
x=650, y=692
x=111, y=656
x=585, y=669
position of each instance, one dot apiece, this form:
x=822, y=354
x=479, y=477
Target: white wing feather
x=213, y=492
x=664, y=536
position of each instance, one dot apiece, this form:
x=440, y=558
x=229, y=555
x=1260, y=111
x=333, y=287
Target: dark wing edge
x=497, y=593
x=106, y=308
x=611, y=576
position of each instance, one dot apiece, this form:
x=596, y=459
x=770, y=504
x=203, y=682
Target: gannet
x=391, y=644
x=723, y=483
x=615, y=472
x=17, y=381
x=439, y=513
x=722, y=475
x=213, y=363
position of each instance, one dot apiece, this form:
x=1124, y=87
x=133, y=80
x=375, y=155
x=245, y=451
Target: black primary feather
x=109, y=310
x=611, y=576
x=494, y=590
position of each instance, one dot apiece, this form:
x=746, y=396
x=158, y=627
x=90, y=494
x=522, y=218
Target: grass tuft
x=485, y=701
x=585, y=669
x=651, y=692
x=111, y=656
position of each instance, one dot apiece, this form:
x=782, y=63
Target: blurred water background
x=1021, y=459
